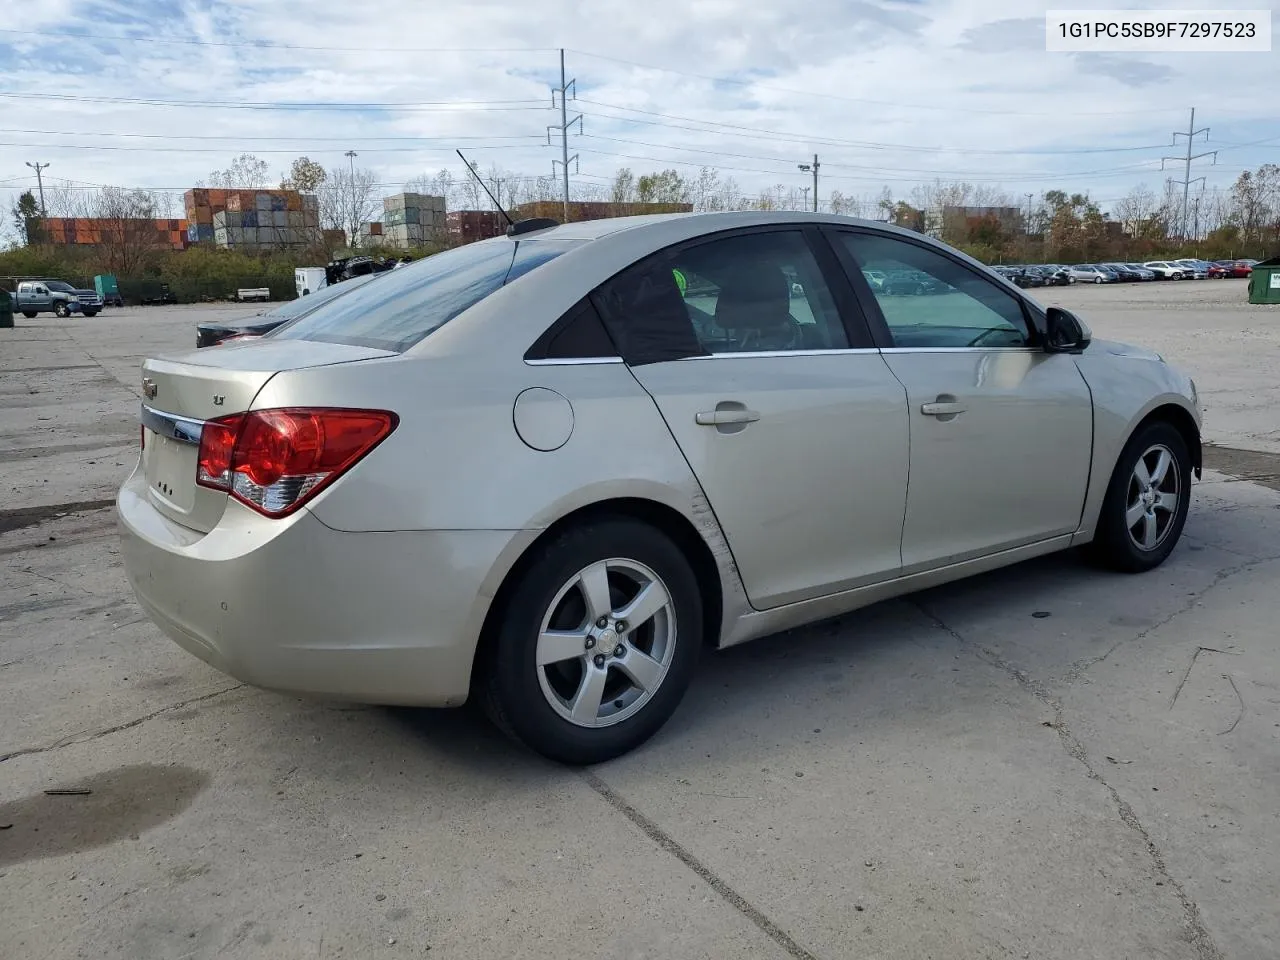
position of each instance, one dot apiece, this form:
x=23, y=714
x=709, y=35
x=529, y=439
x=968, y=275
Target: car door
x=752, y=348
x=1001, y=431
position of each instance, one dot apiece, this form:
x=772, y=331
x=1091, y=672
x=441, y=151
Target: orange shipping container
x=293, y=201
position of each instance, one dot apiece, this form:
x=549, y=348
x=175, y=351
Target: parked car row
x=1056, y=274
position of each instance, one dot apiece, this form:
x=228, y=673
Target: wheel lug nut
x=621, y=626
x=591, y=642
x=602, y=622
x=599, y=660
x=619, y=650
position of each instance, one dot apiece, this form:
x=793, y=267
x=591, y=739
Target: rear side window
x=398, y=310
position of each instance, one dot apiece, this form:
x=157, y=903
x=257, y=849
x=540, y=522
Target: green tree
x=665, y=187
x=305, y=176
x=26, y=219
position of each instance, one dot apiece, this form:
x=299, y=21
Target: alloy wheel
x=606, y=643
x=1151, y=504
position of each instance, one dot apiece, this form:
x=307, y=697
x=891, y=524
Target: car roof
x=599, y=249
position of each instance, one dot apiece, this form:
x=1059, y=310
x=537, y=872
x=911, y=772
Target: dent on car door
x=1001, y=431
x=789, y=418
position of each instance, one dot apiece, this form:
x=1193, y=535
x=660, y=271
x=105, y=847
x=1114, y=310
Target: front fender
x=1127, y=390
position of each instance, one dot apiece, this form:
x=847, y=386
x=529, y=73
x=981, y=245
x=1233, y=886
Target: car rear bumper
x=295, y=606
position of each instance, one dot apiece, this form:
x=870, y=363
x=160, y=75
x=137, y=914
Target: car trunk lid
x=180, y=393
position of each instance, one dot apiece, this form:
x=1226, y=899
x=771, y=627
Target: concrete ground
x=1045, y=762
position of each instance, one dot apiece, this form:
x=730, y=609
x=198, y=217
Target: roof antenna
x=472, y=170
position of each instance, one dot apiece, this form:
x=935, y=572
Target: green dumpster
x=6, y=309
x=106, y=287
x=1264, y=282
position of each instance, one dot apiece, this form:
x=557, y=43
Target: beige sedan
x=547, y=470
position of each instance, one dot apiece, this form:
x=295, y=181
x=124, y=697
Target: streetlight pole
x=814, y=167
x=352, y=212
x=37, y=167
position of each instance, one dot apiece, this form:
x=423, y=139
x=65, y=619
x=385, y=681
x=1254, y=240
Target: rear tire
x=1147, y=500
x=29, y=314
x=61, y=310
x=561, y=677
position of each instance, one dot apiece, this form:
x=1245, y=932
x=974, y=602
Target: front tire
x=29, y=314
x=91, y=313
x=1147, y=500
x=597, y=644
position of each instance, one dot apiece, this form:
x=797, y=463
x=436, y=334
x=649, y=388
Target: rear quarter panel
x=1126, y=389
x=456, y=461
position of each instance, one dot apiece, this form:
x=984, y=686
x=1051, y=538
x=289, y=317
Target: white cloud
x=888, y=92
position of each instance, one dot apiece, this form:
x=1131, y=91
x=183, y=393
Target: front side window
x=747, y=293
x=397, y=310
x=932, y=301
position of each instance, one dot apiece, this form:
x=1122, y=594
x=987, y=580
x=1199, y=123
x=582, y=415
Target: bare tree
x=246, y=172
x=347, y=199
x=128, y=233
x=1137, y=211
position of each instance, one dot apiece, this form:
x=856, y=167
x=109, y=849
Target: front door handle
x=717, y=418
x=942, y=408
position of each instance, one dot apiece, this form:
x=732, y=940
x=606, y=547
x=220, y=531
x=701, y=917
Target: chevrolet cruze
x=547, y=470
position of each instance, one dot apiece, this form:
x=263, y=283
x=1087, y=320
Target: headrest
x=754, y=296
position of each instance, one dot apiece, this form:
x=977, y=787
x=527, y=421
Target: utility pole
x=565, y=124
x=814, y=167
x=1186, y=180
x=804, y=191
x=37, y=167
x=351, y=156
x=1030, y=211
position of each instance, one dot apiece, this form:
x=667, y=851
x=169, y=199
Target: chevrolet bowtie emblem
x=149, y=388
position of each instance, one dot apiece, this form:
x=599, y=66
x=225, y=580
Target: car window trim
x=879, y=327
x=860, y=339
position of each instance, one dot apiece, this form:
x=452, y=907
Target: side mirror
x=1065, y=332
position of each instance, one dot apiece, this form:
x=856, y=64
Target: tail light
x=276, y=460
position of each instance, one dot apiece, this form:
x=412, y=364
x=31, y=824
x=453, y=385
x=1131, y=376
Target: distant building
x=959, y=222
x=584, y=210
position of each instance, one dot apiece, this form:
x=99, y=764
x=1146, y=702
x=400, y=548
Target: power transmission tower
x=814, y=167
x=1186, y=180
x=37, y=167
x=563, y=128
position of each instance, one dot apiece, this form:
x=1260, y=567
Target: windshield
x=407, y=304
x=60, y=286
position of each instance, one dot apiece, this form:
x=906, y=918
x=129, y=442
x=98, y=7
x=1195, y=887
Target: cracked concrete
x=944, y=776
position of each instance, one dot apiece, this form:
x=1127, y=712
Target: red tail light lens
x=276, y=460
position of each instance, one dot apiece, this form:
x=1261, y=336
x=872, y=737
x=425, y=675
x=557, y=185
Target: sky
x=888, y=93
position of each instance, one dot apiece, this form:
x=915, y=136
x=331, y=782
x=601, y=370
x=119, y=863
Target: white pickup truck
x=247, y=294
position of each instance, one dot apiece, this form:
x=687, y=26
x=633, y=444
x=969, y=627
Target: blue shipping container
x=204, y=231
x=278, y=202
x=249, y=218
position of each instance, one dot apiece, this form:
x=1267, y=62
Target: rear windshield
x=313, y=301
x=402, y=307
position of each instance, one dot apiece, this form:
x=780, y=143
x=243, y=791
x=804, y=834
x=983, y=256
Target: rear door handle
x=716, y=418
x=942, y=409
